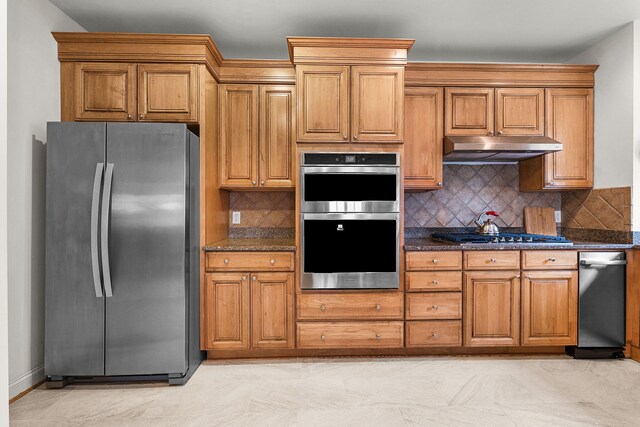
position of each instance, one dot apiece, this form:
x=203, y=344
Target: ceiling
x=445, y=30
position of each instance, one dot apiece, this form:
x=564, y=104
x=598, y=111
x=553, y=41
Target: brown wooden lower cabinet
x=434, y=305
x=375, y=334
x=244, y=310
x=550, y=308
x=434, y=333
x=340, y=306
x=226, y=303
x=492, y=308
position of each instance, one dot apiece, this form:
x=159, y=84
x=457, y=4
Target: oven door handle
x=356, y=170
x=352, y=216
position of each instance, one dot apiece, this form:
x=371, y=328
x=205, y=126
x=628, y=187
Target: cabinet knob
x=493, y=260
x=253, y=182
x=141, y=116
x=500, y=132
x=517, y=276
x=434, y=335
x=378, y=337
x=355, y=137
x=253, y=278
x=490, y=133
x=273, y=261
x=435, y=307
x=440, y=184
x=552, y=259
x=322, y=337
x=378, y=307
x=435, y=282
x=244, y=277
x=226, y=261
x=435, y=261
x=344, y=136
x=129, y=116
x=323, y=307
x=261, y=182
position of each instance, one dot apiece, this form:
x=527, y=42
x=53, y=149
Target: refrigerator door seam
x=106, y=202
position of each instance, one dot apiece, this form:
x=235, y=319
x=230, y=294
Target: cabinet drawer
x=549, y=260
x=434, y=260
x=350, y=334
x=250, y=261
x=418, y=281
x=434, y=305
x=491, y=260
x=434, y=333
x=349, y=306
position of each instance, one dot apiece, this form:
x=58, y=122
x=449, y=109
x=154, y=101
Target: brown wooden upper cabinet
x=257, y=125
x=569, y=119
x=423, y=135
x=350, y=103
x=135, y=92
x=487, y=111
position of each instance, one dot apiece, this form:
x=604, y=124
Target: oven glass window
x=344, y=246
x=349, y=187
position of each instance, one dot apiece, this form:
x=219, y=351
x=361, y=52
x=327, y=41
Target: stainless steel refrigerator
x=122, y=252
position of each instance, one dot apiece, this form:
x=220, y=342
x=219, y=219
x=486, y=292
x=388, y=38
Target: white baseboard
x=23, y=382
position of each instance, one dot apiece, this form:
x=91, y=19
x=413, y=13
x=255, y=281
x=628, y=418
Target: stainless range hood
x=497, y=149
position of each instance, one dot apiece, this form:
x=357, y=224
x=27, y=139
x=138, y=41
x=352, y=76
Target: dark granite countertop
x=428, y=244
x=251, y=245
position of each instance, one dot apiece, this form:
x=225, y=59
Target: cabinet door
x=423, y=133
x=238, y=136
x=167, y=93
x=272, y=323
x=491, y=308
x=468, y=111
x=323, y=103
x=550, y=308
x=277, y=136
x=519, y=111
x=377, y=104
x=105, y=91
x=226, y=305
x=570, y=121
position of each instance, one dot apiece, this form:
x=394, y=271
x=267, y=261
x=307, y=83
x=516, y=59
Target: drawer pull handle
x=322, y=337
x=552, y=259
x=378, y=307
x=493, y=260
x=435, y=307
x=377, y=337
x=226, y=261
x=435, y=282
x=435, y=261
x=254, y=278
x=323, y=307
x=434, y=335
x=273, y=261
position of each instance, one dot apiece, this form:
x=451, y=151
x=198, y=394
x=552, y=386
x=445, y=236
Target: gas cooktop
x=505, y=238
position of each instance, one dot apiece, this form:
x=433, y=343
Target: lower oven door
x=350, y=251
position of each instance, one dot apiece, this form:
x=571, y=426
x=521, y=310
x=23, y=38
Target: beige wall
x=33, y=97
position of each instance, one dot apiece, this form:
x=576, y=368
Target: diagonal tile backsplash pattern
x=471, y=189
x=600, y=209
x=275, y=209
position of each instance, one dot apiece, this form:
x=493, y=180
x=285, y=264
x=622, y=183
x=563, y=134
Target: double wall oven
x=350, y=225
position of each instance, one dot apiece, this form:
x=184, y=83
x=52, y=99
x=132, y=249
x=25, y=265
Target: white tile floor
x=448, y=391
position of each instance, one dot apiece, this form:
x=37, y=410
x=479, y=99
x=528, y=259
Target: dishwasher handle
x=602, y=262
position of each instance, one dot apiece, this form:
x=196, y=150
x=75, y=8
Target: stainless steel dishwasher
x=601, y=305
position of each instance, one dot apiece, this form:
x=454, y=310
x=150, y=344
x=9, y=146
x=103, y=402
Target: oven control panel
x=368, y=159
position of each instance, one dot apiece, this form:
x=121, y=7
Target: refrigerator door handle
x=95, y=203
x=104, y=229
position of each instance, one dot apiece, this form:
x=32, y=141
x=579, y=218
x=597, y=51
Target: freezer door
x=74, y=302
x=145, y=317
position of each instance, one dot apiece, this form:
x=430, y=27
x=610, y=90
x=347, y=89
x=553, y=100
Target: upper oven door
x=350, y=189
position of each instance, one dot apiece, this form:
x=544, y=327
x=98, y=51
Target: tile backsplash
x=272, y=209
x=599, y=209
x=470, y=189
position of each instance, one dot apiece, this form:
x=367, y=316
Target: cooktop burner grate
x=501, y=238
